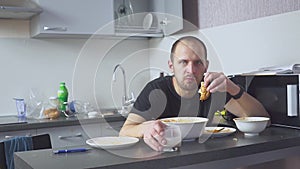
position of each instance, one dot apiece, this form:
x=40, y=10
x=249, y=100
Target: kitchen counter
x=233, y=151
x=30, y=123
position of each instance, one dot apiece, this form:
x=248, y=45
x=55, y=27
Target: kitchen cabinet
x=77, y=135
x=16, y=9
x=72, y=18
x=8, y=134
x=64, y=132
x=77, y=18
x=65, y=136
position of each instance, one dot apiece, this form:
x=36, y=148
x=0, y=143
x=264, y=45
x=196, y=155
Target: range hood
x=18, y=9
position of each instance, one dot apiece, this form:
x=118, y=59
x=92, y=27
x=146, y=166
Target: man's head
x=188, y=62
x=193, y=40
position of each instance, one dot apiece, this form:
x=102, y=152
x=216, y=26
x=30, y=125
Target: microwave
x=279, y=94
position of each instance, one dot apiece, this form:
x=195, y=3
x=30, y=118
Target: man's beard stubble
x=193, y=87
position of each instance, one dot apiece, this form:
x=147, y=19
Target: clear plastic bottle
x=62, y=96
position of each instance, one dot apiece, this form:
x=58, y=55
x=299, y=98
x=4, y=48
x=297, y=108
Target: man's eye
x=199, y=62
x=183, y=62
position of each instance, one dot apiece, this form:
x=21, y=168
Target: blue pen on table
x=75, y=150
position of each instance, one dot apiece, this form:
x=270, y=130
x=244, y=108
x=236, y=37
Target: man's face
x=188, y=65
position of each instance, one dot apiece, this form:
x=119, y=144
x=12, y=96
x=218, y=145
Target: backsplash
x=40, y=64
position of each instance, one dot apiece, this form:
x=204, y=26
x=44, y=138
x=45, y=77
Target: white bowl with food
x=251, y=125
x=190, y=127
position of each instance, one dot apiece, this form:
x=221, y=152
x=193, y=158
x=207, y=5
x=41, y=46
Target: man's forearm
x=133, y=126
x=131, y=130
x=246, y=106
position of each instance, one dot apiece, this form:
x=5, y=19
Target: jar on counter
x=51, y=109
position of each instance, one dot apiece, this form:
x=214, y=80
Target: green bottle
x=62, y=96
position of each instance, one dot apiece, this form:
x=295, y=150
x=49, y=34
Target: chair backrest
x=39, y=142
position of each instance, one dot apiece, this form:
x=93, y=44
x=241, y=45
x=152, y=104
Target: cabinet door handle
x=61, y=29
x=8, y=137
x=70, y=136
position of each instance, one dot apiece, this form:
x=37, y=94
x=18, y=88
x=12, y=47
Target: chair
x=39, y=142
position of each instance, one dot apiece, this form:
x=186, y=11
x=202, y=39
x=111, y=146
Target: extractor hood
x=18, y=9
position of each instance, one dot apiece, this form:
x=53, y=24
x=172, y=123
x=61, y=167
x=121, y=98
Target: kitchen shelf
x=138, y=31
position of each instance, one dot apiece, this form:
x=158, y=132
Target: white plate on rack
x=112, y=142
x=217, y=132
x=147, y=22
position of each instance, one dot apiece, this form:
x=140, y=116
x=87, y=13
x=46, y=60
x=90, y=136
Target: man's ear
x=171, y=66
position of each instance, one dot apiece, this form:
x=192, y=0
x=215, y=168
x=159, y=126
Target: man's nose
x=191, y=68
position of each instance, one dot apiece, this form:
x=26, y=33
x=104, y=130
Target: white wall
x=85, y=65
x=243, y=46
x=249, y=45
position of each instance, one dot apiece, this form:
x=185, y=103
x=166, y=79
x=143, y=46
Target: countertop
x=227, y=152
x=31, y=123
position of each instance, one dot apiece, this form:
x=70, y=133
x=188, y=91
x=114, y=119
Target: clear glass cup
x=172, y=135
x=21, y=107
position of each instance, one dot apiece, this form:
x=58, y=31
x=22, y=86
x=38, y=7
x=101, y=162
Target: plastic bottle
x=62, y=96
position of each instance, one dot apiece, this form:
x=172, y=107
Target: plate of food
x=112, y=142
x=219, y=131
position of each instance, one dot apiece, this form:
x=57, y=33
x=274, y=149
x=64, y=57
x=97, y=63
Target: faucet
x=125, y=100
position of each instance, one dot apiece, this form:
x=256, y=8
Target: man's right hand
x=151, y=131
x=153, y=134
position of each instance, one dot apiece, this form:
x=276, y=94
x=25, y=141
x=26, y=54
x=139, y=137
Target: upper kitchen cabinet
x=78, y=18
x=148, y=18
x=73, y=18
x=18, y=9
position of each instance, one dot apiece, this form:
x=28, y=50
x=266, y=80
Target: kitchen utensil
x=218, y=131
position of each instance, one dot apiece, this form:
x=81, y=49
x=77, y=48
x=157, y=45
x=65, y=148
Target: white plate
x=226, y=131
x=112, y=142
x=147, y=23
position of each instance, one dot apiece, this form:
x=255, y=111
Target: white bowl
x=190, y=127
x=251, y=125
